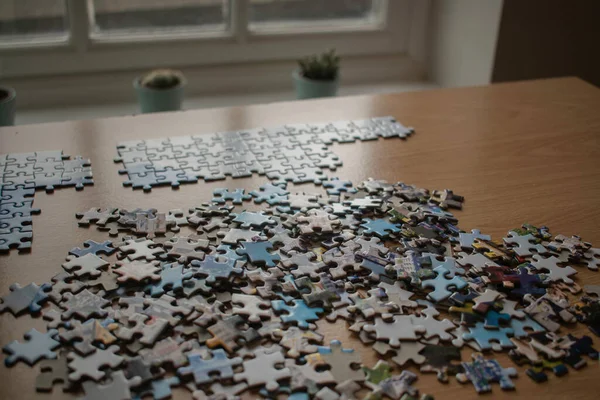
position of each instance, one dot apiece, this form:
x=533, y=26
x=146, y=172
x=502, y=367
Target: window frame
x=82, y=52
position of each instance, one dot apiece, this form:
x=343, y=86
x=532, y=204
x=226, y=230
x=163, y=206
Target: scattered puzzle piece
x=90, y=366
x=28, y=298
x=204, y=370
x=263, y=370
x=482, y=372
x=118, y=388
x=37, y=346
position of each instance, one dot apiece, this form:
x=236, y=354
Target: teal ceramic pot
x=8, y=106
x=310, y=89
x=158, y=100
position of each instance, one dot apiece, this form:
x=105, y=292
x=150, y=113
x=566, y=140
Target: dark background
x=548, y=38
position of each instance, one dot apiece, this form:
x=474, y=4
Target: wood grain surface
x=518, y=152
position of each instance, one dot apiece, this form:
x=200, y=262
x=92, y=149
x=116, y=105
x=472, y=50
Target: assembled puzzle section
x=21, y=174
x=296, y=153
x=232, y=297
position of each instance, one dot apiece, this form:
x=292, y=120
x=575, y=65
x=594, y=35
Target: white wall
x=463, y=41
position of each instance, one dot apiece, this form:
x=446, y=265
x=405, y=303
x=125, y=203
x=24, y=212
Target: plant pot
x=310, y=88
x=8, y=106
x=157, y=100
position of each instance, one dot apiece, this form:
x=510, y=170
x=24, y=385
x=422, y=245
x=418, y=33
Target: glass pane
x=32, y=19
x=310, y=12
x=123, y=17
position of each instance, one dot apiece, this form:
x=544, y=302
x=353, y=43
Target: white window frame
x=400, y=32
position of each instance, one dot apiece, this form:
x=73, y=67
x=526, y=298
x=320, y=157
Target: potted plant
x=317, y=76
x=160, y=90
x=8, y=106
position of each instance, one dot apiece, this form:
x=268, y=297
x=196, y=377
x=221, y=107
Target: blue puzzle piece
x=299, y=312
x=158, y=389
x=484, y=337
x=482, y=373
x=335, y=186
x=171, y=278
x=278, y=200
x=299, y=396
x=94, y=247
x=379, y=227
x=441, y=283
x=214, y=267
x=30, y=298
x=462, y=298
x=270, y=192
x=162, y=389
x=336, y=344
x=466, y=240
x=236, y=196
x=206, y=370
x=37, y=346
x=258, y=253
x=449, y=263
x=284, y=209
x=493, y=319
x=249, y=220
x=225, y=250
x=519, y=325
x=376, y=265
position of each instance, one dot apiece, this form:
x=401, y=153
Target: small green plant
x=324, y=67
x=162, y=79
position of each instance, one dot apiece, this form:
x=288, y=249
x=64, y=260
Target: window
x=307, y=13
x=156, y=17
x=37, y=20
x=50, y=37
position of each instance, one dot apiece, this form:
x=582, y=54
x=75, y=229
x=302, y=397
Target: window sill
x=48, y=114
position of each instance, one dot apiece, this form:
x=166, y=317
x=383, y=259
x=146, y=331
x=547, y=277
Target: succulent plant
x=323, y=67
x=162, y=79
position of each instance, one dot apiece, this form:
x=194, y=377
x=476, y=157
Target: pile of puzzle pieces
x=295, y=153
x=229, y=297
x=21, y=174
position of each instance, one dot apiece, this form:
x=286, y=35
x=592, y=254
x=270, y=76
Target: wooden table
x=519, y=152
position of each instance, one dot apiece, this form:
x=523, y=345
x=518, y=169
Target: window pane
x=310, y=12
x=32, y=19
x=123, y=17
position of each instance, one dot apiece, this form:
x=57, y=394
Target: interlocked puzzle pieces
x=21, y=174
x=290, y=153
